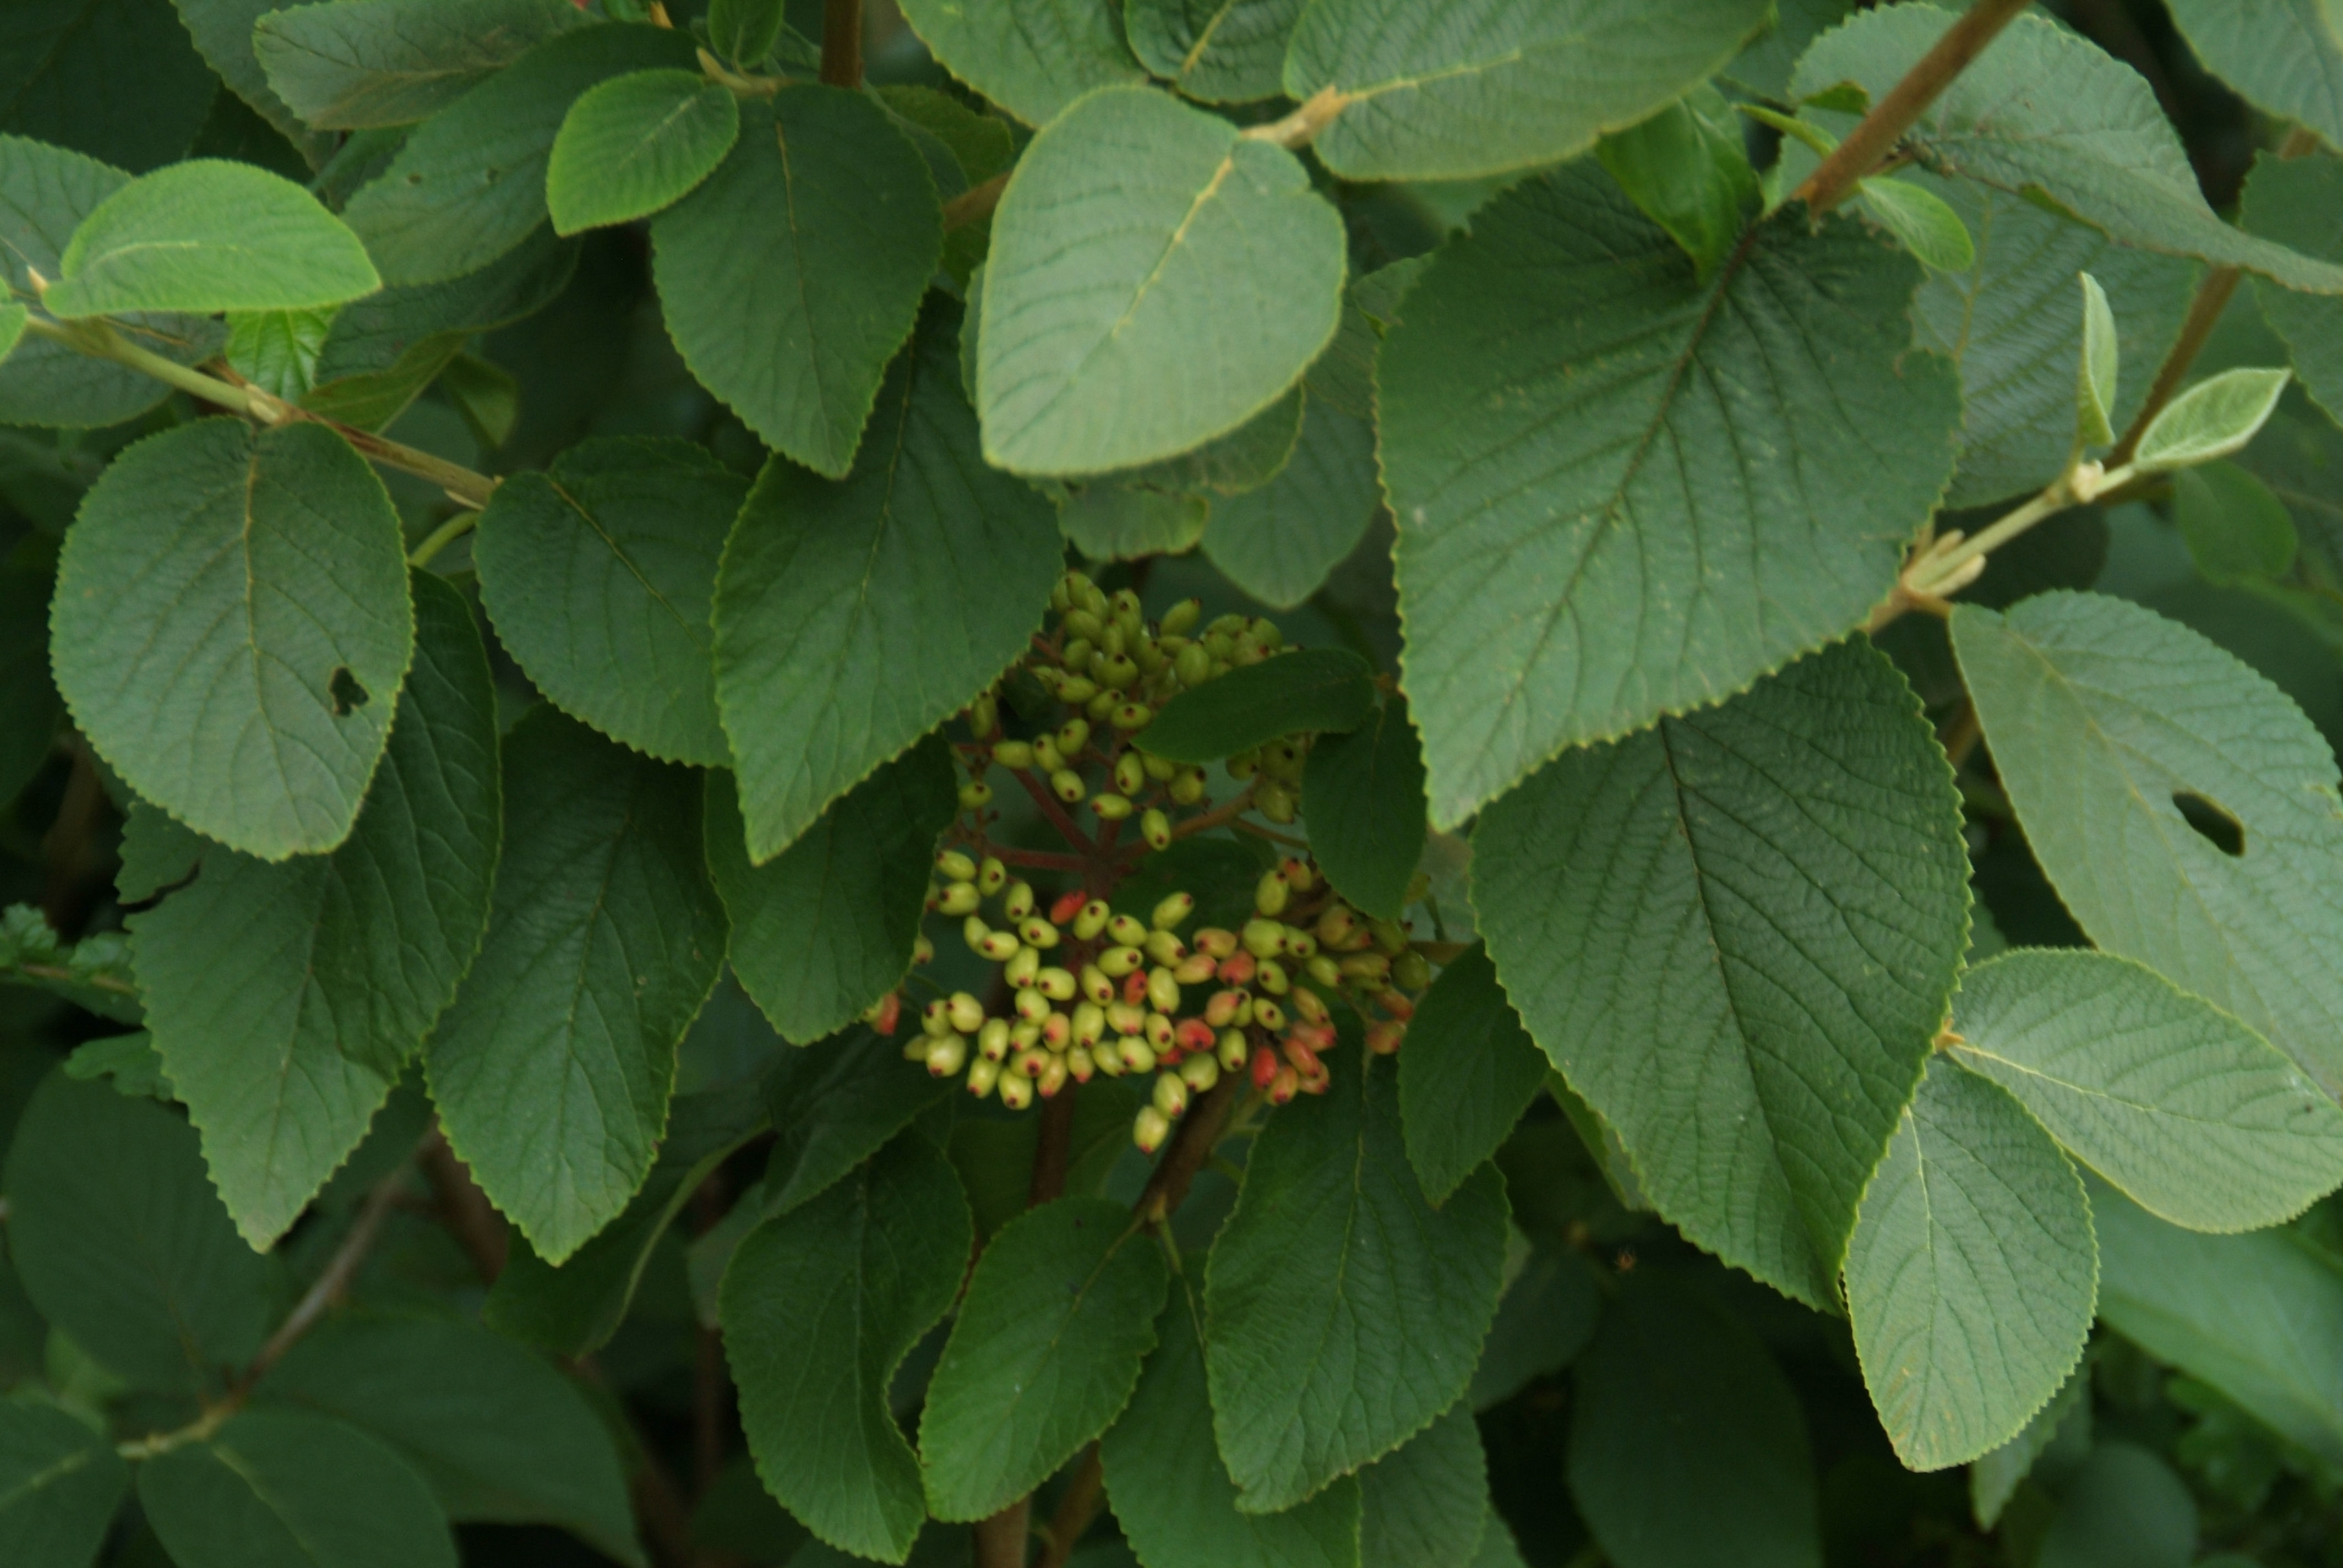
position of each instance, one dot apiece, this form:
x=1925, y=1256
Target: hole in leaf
x=348, y=695
x=2212, y=821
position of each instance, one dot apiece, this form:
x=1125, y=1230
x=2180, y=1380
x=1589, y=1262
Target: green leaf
x=2236, y=529
x=820, y=1305
x=2297, y=202
x=1319, y=688
x=470, y=184
x=2096, y=367
x=1576, y=433
x=1972, y=1273
x=286, y=999
x=364, y=63
x=551, y=1070
x=1426, y=1503
x=92, y=973
x=573, y=1310
x=1343, y=1313
x=129, y=1061
x=115, y=1230
x=638, y=144
x=498, y=1435
x=60, y=1483
x=1171, y=1494
x=2110, y=727
x=2048, y=114
x=1032, y=57
x=1243, y=460
x=1059, y=1315
x=1277, y=542
x=836, y=1104
x=1469, y=1071
x=2256, y=1315
x=1114, y=522
x=2211, y=419
x=232, y=626
x=980, y=146
x=1488, y=86
x=1921, y=220
x=1220, y=51
x=1687, y=1445
x=599, y=574
x=45, y=194
x=223, y=32
x=1112, y=335
x=206, y=236
x=853, y=618
x=1994, y=1477
x=1363, y=794
x=277, y=1490
x=277, y=350
x=1687, y=169
x=2196, y=1117
x=791, y=276
x=2122, y=1509
x=825, y=927
x=1736, y=934
x=116, y=79
x=1221, y=873
x=743, y=30
x=1547, y=1316
x=2285, y=56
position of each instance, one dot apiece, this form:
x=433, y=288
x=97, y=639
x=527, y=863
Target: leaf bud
x=1195, y=969
x=992, y=875
x=955, y=865
x=1090, y=1023
x=1200, y=1072
x=1131, y=716
x=1325, y=972
x=992, y=1040
x=947, y=1055
x=1174, y=909
x=1125, y=931
x=1046, y=758
x=1162, y=991
x=1390, y=936
x=1110, y=806
x=1384, y=1038
x=1238, y=969
x=1073, y=736
x=1223, y=1009
x=1267, y=1013
x=1013, y=753
x=1188, y=786
x=1155, y=828
x=1117, y=962
x=1067, y=785
x=1020, y=901
x=1053, y=1077
x=1148, y=1129
x=1031, y=1005
x=967, y=1013
x=1126, y=1017
x=975, y=795
x=1270, y=975
x=1233, y=1049
x=1268, y=894
x=1016, y=1093
x=1107, y=1060
x=1183, y=616
x=1038, y=933
x=1137, y=1055
x=1165, y=947
x=1411, y=971
x=1264, y=939
x=1023, y=965
x=1171, y=1095
x=1055, y=983
x=1080, y=1065
x=959, y=899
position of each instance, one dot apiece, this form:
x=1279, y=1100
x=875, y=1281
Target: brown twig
x=975, y=204
x=1871, y=141
x=1053, y=1148
x=842, y=43
x=465, y=1210
x=1077, y=1505
x=1227, y=810
x=1191, y=1146
x=999, y=1540
x=334, y=1283
x=1055, y=812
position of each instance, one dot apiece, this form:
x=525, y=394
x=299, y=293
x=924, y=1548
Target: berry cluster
x=1085, y=991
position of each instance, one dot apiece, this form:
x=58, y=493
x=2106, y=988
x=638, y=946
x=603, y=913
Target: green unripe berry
x=1114, y=640
x=1195, y=969
x=1162, y=991
x=1171, y=1095
x=1073, y=736
x=1247, y=650
x=1077, y=653
x=1200, y=1073
x=981, y=1076
x=1082, y=623
x=1046, y=756
x=1265, y=632
x=1148, y=1129
x=955, y=865
x=1411, y=971
x=1325, y=972
x=967, y=1013
x=935, y=1019
x=1090, y=1024
x=1131, y=716
x=1307, y=1006
x=1271, y=974
x=1077, y=690
x=1267, y=1013
x=1027, y=1033
x=1012, y=753
x=1188, y=786
x=992, y=1040
x=1015, y=1092
x=946, y=1056
x=1129, y=775
x=974, y=931
x=1372, y=969
x=1174, y=909
x=1125, y=931
x=1080, y=1064
x=1160, y=1031
x=1117, y=962
x=1183, y=616
x=1091, y=919
x=1112, y=807
x=1095, y=984
x=1038, y=933
x=1165, y=947
x=1163, y=769
x=1269, y=893
x=1194, y=665
x=1061, y=595
x=1278, y=802
x=1117, y=670
x=1067, y=785
x=992, y=876
x=1156, y=829
x=1136, y=1054
x=959, y=899
x=1244, y=765
x=1032, y=1006
x=1390, y=936
x=1023, y=966
x=1019, y=901
x=1300, y=943
x=975, y=795
x=1055, y=983
x=1234, y=1050
x=1125, y=606
x=1101, y=709
x=983, y=715
x=1262, y=938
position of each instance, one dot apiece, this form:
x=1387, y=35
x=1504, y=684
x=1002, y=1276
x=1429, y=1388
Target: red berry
x=1264, y=1066
x=1068, y=906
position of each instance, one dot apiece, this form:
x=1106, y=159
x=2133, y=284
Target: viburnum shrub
x=1231, y=783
